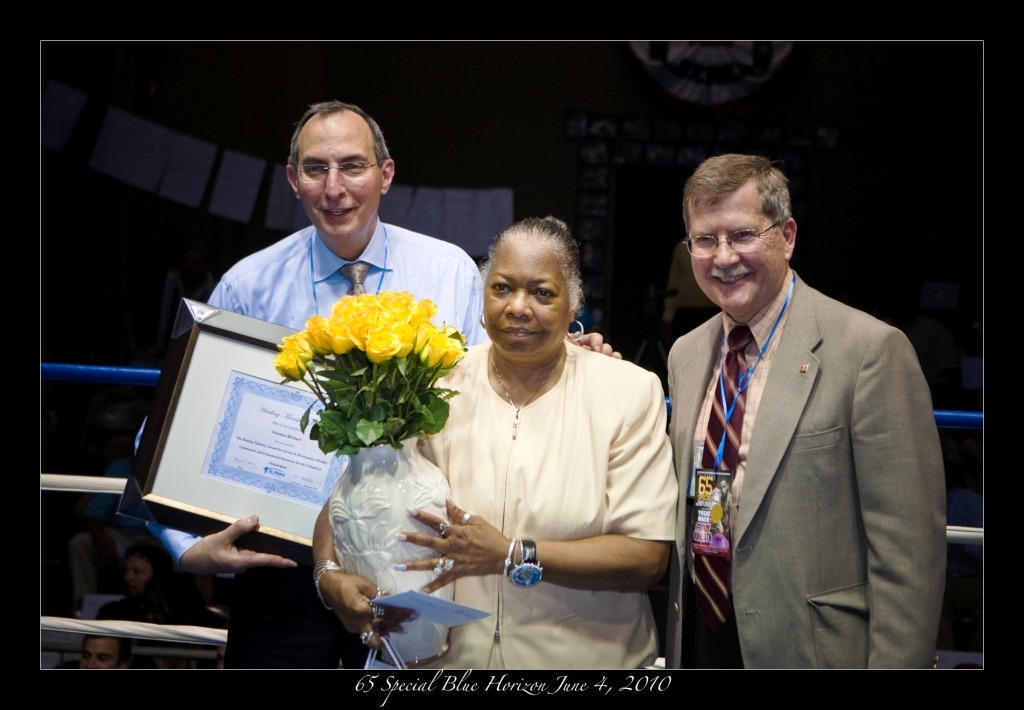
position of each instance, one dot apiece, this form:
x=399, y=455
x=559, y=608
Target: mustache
x=732, y=273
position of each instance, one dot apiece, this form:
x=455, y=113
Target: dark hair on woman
x=555, y=234
x=157, y=557
x=175, y=599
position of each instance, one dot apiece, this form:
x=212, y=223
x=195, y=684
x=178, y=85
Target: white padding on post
x=80, y=484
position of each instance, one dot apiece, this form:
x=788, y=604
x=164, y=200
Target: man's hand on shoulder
x=595, y=342
x=217, y=553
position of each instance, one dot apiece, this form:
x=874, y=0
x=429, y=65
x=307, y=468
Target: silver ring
x=378, y=612
x=365, y=637
x=443, y=528
x=444, y=564
x=466, y=517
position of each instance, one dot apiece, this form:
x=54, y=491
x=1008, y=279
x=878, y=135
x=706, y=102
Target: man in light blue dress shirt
x=339, y=168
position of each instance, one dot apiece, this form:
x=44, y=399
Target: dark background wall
x=897, y=202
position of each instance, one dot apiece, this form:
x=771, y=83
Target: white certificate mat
x=257, y=443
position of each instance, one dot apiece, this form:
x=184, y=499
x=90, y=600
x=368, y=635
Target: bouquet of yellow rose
x=373, y=363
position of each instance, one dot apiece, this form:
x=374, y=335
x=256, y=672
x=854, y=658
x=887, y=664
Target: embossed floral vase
x=368, y=507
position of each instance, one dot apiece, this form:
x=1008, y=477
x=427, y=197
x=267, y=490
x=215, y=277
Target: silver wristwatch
x=528, y=572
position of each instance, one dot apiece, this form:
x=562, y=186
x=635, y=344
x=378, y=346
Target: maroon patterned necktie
x=713, y=575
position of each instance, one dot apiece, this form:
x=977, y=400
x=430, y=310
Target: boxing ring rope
x=218, y=637
x=147, y=377
x=137, y=630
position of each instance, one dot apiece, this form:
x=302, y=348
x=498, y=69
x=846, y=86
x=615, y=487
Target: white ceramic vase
x=368, y=508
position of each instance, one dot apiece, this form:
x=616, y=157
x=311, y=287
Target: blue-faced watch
x=528, y=572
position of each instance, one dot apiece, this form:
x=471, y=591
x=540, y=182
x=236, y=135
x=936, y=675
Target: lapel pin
x=803, y=368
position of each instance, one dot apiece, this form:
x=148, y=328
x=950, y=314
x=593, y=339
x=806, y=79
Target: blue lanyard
x=744, y=380
x=312, y=280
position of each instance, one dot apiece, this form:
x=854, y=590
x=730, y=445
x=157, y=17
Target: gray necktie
x=355, y=272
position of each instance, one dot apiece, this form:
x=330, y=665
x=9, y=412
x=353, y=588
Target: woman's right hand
x=350, y=597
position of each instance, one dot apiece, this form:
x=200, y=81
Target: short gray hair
x=718, y=176
x=553, y=233
x=380, y=148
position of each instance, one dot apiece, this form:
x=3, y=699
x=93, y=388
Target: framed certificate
x=223, y=439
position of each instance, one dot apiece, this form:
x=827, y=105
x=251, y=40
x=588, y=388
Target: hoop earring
x=575, y=336
x=482, y=319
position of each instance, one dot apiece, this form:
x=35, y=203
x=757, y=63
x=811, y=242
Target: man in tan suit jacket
x=838, y=541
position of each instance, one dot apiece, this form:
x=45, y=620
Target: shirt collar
x=326, y=263
x=763, y=321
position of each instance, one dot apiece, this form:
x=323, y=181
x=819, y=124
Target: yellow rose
x=336, y=329
x=343, y=306
x=295, y=354
x=452, y=332
x=358, y=325
x=437, y=350
x=299, y=344
x=452, y=356
x=396, y=306
x=318, y=335
x=406, y=335
x=290, y=365
x=445, y=350
x=382, y=345
x=423, y=312
x=422, y=341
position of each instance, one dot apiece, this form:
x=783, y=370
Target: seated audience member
x=107, y=535
x=142, y=564
x=105, y=652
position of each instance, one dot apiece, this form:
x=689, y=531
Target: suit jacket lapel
x=782, y=404
x=696, y=362
x=691, y=367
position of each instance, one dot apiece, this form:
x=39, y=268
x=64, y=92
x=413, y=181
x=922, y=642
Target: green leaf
x=337, y=375
x=438, y=410
x=368, y=432
x=379, y=412
x=314, y=432
x=304, y=421
x=402, y=364
x=350, y=431
x=395, y=426
x=339, y=393
x=333, y=426
x=425, y=414
x=359, y=372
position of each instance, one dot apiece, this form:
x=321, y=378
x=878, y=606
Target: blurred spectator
x=685, y=305
x=105, y=652
x=175, y=599
x=107, y=535
x=142, y=564
x=193, y=280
